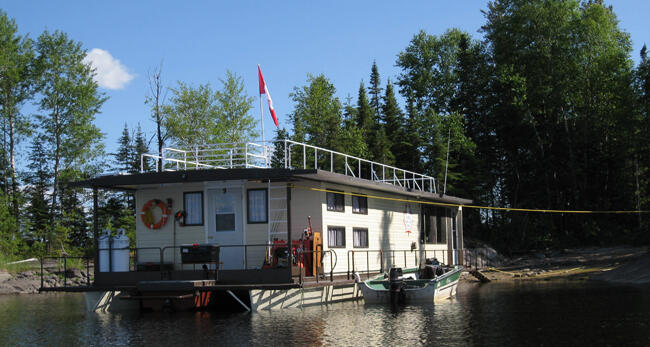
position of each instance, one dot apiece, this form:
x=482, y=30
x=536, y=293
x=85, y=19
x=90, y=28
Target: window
x=359, y=204
x=257, y=208
x=435, y=225
x=360, y=236
x=335, y=202
x=225, y=222
x=193, y=207
x=441, y=221
x=336, y=237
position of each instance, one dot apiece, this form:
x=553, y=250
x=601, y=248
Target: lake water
x=525, y=313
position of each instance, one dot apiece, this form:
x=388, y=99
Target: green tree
x=394, y=122
x=428, y=77
x=316, y=116
x=191, y=117
x=39, y=181
x=233, y=109
x=277, y=160
x=17, y=82
x=375, y=89
x=200, y=116
x=140, y=147
x=125, y=154
x=372, y=130
x=69, y=102
x=9, y=240
x=564, y=118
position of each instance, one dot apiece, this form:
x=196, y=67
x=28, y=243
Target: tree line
x=546, y=110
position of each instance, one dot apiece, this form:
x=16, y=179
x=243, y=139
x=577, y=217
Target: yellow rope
x=468, y=206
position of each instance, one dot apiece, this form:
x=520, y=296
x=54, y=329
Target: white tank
x=120, y=252
x=103, y=250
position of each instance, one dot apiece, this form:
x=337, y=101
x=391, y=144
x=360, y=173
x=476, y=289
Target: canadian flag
x=265, y=90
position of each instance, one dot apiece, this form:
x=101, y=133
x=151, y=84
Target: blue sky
x=198, y=40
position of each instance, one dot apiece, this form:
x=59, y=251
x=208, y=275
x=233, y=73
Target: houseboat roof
x=131, y=182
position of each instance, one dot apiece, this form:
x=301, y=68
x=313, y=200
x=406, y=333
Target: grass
x=15, y=268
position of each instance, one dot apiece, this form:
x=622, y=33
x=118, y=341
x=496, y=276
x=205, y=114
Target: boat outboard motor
x=397, y=293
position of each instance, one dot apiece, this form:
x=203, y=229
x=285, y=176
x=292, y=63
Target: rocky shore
x=630, y=265
x=28, y=282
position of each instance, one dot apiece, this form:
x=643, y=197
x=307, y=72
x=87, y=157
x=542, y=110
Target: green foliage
x=277, y=161
x=375, y=89
x=201, y=115
x=9, y=237
x=125, y=151
x=316, y=116
x=69, y=102
x=139, y=147
x=39, y=181
x=17, y=83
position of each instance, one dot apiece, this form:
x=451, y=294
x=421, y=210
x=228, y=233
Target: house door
x=225, y=225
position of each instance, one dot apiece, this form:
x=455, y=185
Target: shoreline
x=624, y=265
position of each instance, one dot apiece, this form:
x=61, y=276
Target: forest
x=547, y=109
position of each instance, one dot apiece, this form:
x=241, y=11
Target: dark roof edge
x=337, y=178
x=186, y=176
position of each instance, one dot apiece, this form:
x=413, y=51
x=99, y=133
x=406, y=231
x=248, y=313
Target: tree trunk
x=57, y=158
x=12, y=160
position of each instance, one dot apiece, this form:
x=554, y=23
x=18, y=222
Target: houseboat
x=267, y=226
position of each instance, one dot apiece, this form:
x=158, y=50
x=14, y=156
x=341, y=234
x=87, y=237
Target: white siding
x=164, y=237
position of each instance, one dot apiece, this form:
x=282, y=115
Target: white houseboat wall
x=366, y=219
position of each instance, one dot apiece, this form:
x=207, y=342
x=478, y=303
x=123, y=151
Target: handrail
x=259, y=154
x=65, y=268
x=351, y=270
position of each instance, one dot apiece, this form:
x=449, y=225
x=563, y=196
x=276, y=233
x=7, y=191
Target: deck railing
x=284, y=154
x=381, y=259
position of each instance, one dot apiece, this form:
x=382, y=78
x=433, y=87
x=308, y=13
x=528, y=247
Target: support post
x=95, y=233
x=289, y=245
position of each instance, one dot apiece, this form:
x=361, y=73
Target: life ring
x=147, y=214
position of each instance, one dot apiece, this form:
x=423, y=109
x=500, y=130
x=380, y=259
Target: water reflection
x=496, y=314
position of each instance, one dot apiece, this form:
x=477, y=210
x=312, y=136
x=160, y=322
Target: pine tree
x=125, y=152
x=140, y=148
x=39, y=182
x=277, y=161
x=375, y=89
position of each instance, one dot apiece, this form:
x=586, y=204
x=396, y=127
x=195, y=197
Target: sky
x=197, y=41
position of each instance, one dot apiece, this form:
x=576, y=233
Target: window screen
x=360, y=204
x=225, y=222
x=193, y=206
x=336, y=236
x=335, y=202
x=360, y=237
x=257, y=208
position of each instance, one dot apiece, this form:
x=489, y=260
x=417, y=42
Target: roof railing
x=285, y=154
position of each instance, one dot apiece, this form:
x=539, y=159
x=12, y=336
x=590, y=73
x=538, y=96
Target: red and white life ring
x=147, y=215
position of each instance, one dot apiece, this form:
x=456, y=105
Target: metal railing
x=478, y=258
x=291, y=155
x=333, y=262
x=164, y=259
x=65, y=268
x=392, y=257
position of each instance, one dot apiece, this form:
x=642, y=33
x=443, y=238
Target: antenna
x=444, y=188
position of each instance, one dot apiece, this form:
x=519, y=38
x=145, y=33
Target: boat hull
x=440, y=288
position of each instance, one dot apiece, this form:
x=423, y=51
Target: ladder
x=277, y=213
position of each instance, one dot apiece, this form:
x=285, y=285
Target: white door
x=225, y=225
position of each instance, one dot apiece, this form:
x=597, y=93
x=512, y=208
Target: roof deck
x=285, y=154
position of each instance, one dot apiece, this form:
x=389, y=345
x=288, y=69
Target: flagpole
x=266, y=160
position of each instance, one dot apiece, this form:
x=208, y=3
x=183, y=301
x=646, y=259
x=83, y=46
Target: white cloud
x=109, y=72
